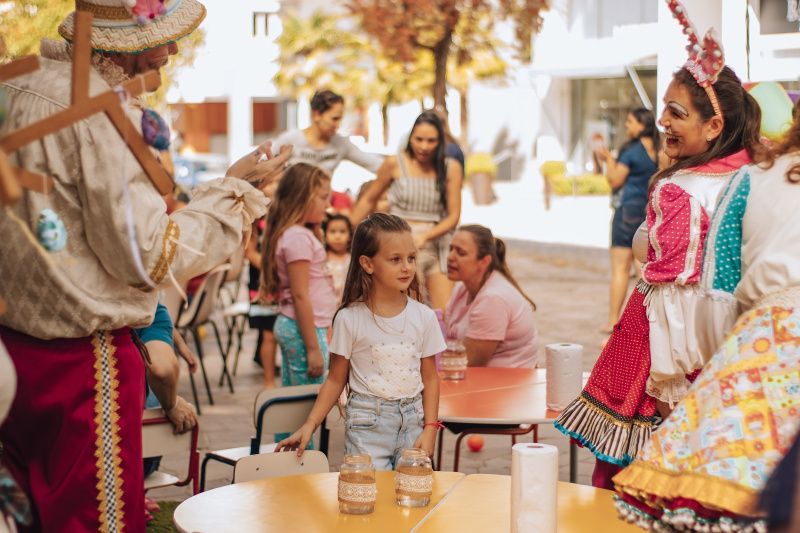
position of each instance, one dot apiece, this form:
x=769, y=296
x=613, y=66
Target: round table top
x=482, y=502
x=490, y=395
x=307, y=503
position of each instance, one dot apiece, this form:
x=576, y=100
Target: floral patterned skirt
x=706, y=465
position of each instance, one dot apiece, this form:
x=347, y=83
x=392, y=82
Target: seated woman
x=488, y=309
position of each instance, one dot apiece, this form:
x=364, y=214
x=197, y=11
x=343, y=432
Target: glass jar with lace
x=413, y=481
x=357, y=488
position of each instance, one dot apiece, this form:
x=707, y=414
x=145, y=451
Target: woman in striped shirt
x=425, y=189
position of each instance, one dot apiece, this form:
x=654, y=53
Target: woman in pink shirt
x=488, y=310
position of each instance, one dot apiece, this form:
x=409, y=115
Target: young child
x=338, y=234
x=383, y=343
x=293, y=267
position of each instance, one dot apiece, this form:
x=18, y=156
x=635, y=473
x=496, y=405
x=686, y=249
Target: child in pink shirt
x=294, y=269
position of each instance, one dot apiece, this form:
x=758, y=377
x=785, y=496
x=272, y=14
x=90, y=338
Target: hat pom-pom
x=155, y=130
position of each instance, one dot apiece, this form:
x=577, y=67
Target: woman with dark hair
x=707, y=463
x=711, y=129
x=424, y=189
x=488, y=309
x=628, y=177
x=320, y=144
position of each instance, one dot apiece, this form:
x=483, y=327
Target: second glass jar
x=413, y=478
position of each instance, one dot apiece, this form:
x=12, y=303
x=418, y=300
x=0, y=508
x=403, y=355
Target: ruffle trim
x=644, y=482
x=684, y=519
x=670, y=392
x=610, y=439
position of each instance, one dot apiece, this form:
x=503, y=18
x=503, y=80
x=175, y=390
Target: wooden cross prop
x=81, y=107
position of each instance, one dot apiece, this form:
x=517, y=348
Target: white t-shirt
x=385, y=353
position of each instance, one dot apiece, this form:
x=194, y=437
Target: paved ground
x=569, y=286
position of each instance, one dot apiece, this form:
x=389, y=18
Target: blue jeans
x=382, y=428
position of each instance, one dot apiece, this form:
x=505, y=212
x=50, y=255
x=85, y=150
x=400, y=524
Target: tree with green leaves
x=321, y=52
x=445, y=29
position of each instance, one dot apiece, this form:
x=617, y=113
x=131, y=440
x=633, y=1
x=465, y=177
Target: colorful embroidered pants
x=294, y=357
x=73, y=438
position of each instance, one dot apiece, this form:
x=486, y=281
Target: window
x=261, y=20
x=773, y=17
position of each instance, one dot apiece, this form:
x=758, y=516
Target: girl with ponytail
x=488, y=309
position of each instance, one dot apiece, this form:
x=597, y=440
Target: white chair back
x=236, y=263
x=205, y=299
x=288, y=416
x=173, y=301
x=276, y=464
x=159, y=439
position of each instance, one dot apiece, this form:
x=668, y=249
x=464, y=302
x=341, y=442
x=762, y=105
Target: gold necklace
x=392, y=331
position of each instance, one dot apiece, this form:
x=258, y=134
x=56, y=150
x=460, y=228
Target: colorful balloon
x=776, y=108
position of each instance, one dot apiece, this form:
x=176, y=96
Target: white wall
x=232, y=65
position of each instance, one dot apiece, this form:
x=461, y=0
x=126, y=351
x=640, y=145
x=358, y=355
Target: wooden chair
x=278, y=410
x=158, y=439
x=268, y=465
x=197, y=314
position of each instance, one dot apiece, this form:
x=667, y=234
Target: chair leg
x=513, y=439
x=194, y=393
x=239, y=334
x=324, y=437
x=536, y=433
x=206, y=459
x=199, y=345
x=439, y=447
x=225, y=373
x=458, y=450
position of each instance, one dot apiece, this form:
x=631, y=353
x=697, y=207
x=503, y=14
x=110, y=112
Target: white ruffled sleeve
x=687, y=325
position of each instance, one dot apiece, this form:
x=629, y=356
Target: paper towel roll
x=534, y=488
x=564, y=363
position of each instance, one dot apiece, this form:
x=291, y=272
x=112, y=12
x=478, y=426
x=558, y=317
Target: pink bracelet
x=438, y=424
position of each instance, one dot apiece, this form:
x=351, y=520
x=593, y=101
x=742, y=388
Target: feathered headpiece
x=706, y=60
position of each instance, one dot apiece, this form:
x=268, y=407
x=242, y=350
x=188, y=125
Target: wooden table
x=482, y=502
x=501, y=396
x=306, y=503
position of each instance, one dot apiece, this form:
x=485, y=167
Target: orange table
x=306, y=503
x=482, y=502
x=501, y=396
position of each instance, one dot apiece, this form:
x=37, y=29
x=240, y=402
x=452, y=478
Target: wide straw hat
x=135, y=26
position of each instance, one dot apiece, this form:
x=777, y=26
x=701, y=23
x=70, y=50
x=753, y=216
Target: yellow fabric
x=645, y=481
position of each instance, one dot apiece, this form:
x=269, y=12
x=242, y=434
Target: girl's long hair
x=432, y=118
x=494, y=247
x=789, y=143
x=741, y=114
x=646, y=118
x=292, y=200
x=366, y=241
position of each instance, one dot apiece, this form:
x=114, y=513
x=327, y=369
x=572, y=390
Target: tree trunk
x=385, y=120
x=464, y=140
x=440, y=54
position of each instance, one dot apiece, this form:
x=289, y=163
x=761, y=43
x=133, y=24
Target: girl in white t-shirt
x=383, y=345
